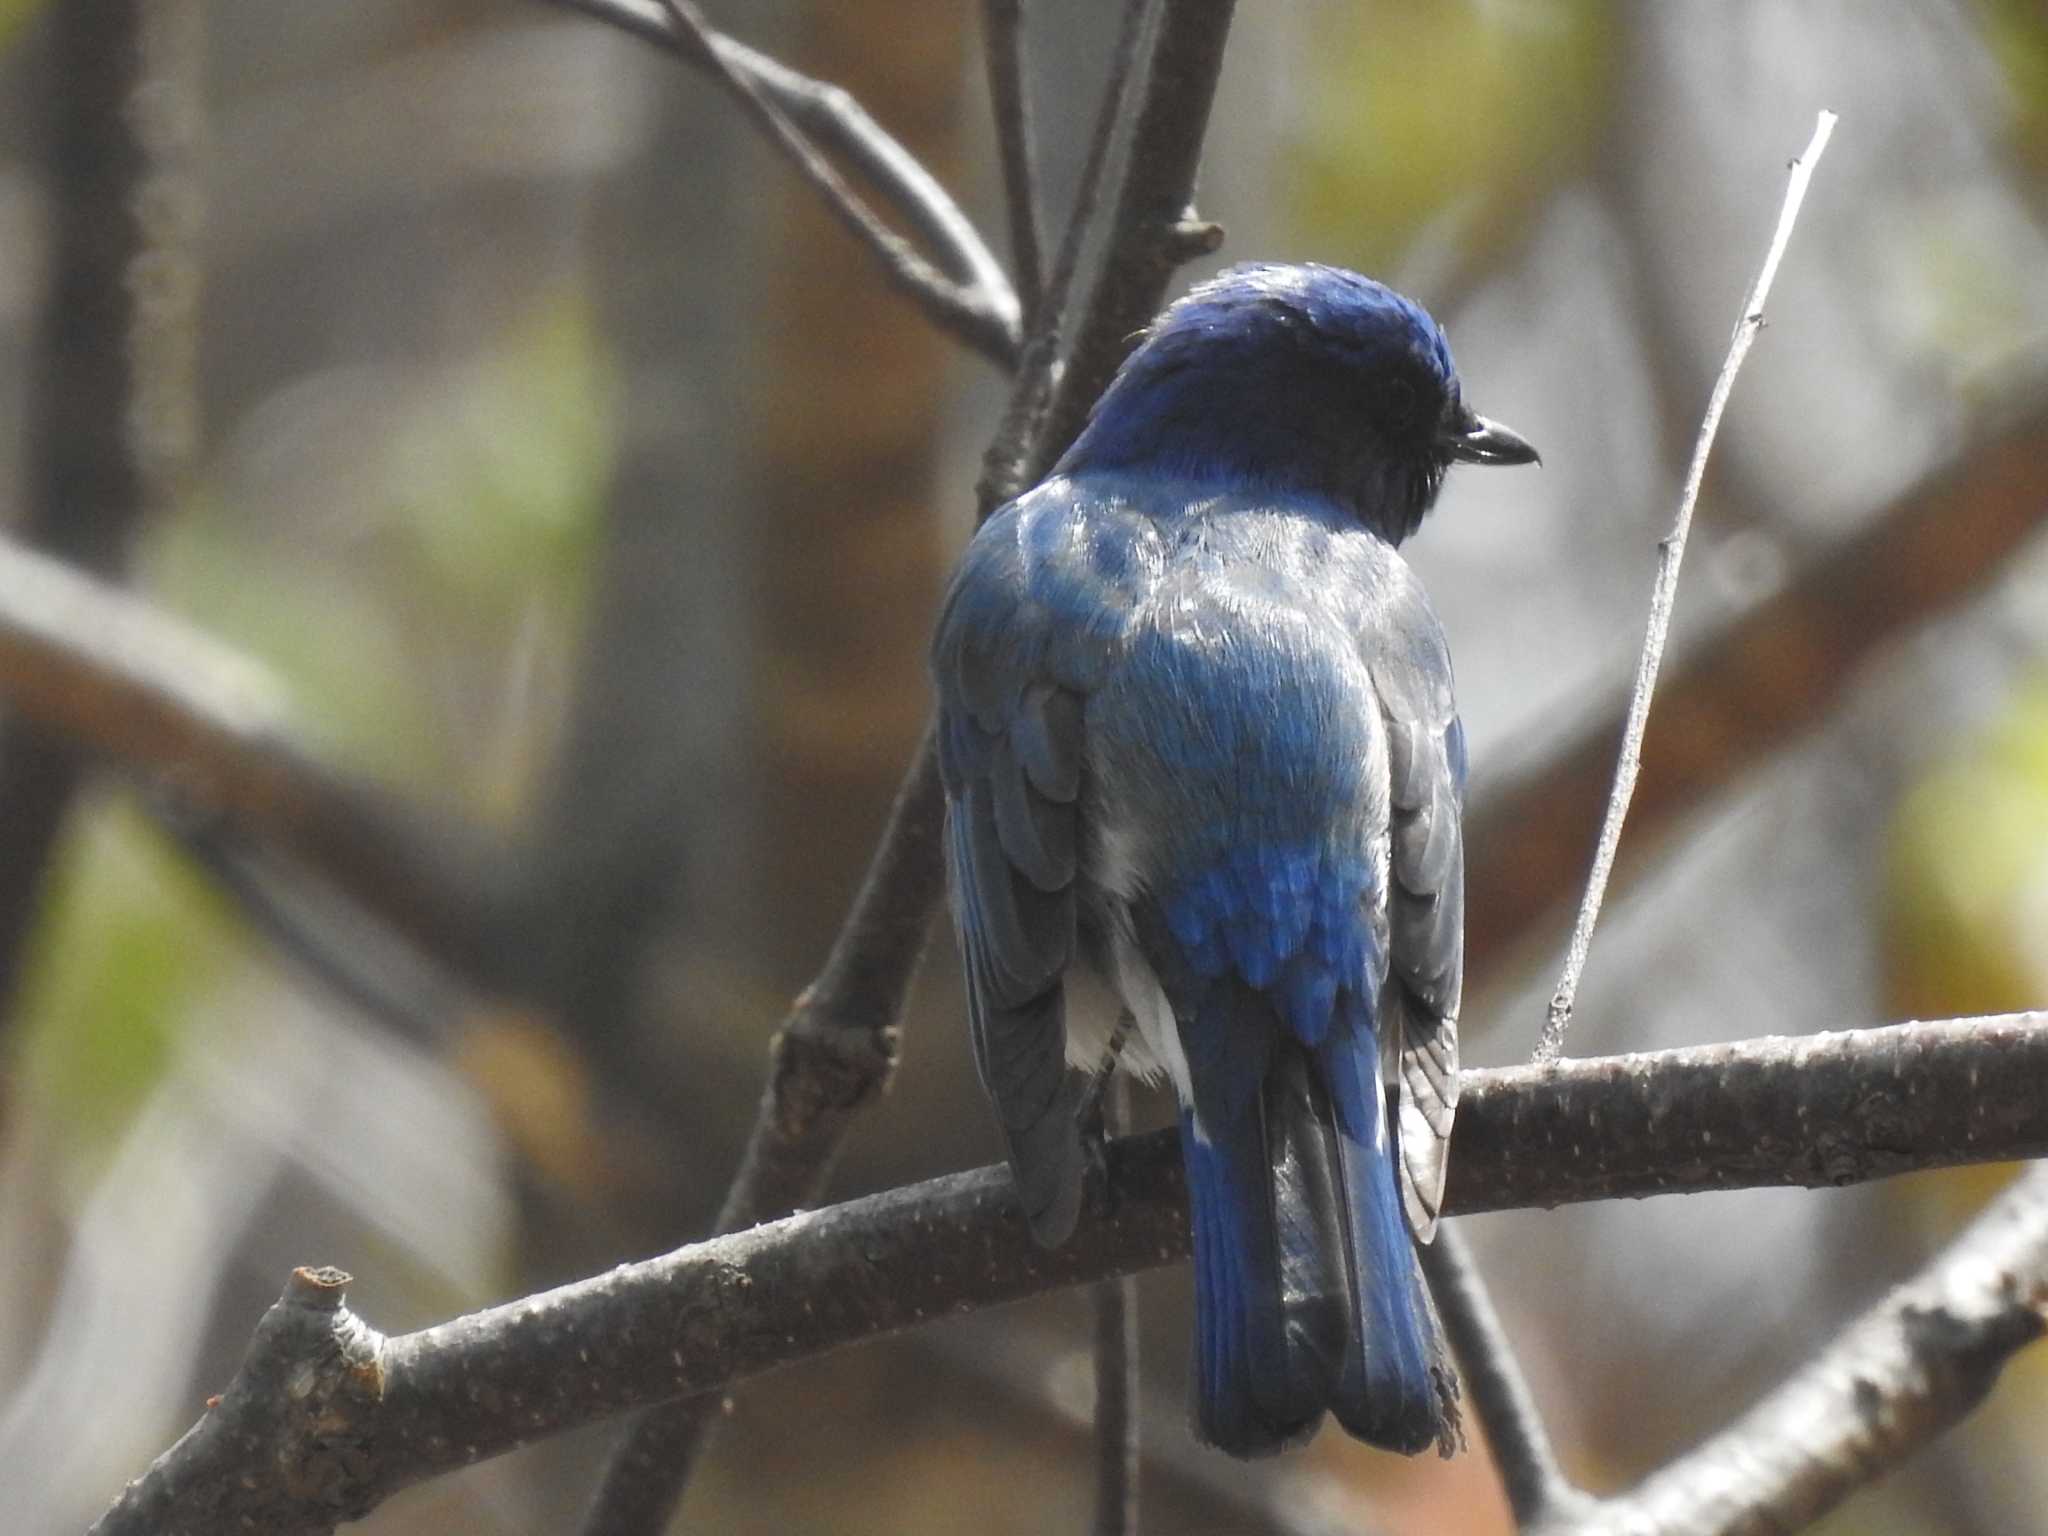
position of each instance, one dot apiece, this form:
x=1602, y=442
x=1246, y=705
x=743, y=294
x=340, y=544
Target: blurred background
x=502, y=395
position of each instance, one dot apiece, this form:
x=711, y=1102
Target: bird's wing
x=1426, y=759
x=1010, y=753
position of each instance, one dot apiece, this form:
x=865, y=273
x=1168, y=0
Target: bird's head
x=1303, y=379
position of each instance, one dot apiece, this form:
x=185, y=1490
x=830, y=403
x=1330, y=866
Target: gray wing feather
x=1425, y=983
x=1011, y=758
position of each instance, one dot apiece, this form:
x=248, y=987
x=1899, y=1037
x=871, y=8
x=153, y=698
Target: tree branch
x=1501, y=1401
x=1002, y=25
x=967, y=293
x=137, y=686
x=1907, y=1370
x=790, y=1149
x=833, y=1055
x=1664, y=598
x=1766, y=678
x=1018, y=445
x=326, y=1418
x=1153, y=231
x=112, y=398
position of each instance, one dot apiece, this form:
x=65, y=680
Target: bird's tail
x=1307, y=1291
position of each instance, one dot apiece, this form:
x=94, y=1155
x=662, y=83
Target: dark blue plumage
x=1203, y=764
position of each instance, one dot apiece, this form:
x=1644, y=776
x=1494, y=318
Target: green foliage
x=132, y=938
x=1967, y=883
x=504, y=485
x=2017, y=33
x=1451, y=120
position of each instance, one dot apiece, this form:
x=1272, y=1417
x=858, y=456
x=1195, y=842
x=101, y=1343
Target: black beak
x=1473, y=439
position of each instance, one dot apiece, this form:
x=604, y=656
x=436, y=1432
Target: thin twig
x=326, y=1418
x=1117, y=1430
x=1020, y=450
x=1537, y=1487
x=1002, y=23
x=1932, y=548
x=966, y=294
x=645, y=1477
x=1664, y=596
x=833, y=1055
x=1154, y=230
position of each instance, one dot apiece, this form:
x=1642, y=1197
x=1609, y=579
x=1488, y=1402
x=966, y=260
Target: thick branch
x=968, y=293
x=1907, y=1370
x=1828, y=1110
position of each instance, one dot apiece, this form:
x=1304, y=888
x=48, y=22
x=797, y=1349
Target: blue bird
x=1203, y=766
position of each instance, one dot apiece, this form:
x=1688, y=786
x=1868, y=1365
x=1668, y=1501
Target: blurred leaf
x=131, y=938
x=1448, y=120
x=1966, y=889
x=14, y=15
x=322, y=629
x=504, y=485
x=2017, y=33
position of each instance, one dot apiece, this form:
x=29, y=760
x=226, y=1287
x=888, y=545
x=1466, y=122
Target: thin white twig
x=1664, y=596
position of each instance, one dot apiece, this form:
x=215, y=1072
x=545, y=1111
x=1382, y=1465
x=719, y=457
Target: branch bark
x=112, y=398
x=326, y=1418
x=790, y=1150
x=1907, y=1370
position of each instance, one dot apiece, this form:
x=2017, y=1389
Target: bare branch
x=1537, y=1488
x=807, y=1105
x=135, y=685
x=1153, y=231
x=112, y=397
x=1768, y=677
x=1664, y=596
x=833, y=1055
x=1018, y=444
x=1907, y=1370
x=966, y=293
x=1002, y=23
x=326, y=1419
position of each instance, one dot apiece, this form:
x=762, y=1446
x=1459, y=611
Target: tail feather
x=1308, y=1295
x=1399, y=1390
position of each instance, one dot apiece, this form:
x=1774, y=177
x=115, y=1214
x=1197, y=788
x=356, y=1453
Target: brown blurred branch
x=1664, y=599
x=327, y=1418
x=1770, y=675
x=112, y=395
x=966, y=293
x=135, y=685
